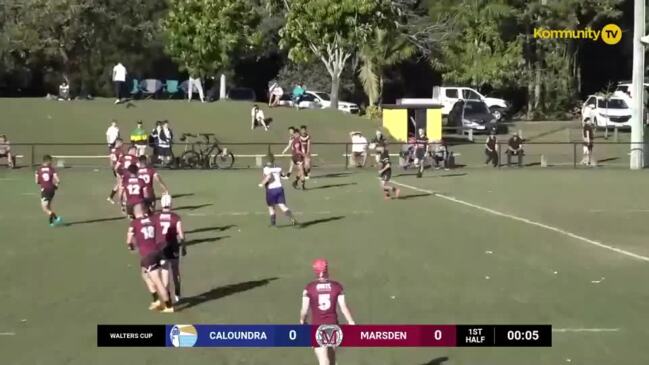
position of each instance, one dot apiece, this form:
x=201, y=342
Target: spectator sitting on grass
x=64, y=91
x=275, y=94
x=359, y=148
x=257, y=118
x=298, y=93
x=5, y=151
x=515, y=148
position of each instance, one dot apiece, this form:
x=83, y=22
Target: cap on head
x=165, y=201
x=320, y=266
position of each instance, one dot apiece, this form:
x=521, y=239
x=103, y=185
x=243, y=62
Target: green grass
x=427, y=252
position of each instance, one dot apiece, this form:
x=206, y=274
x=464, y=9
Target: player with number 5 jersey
x=170, y=236
x=321, y=297
x=48, y=180
x=142, y=235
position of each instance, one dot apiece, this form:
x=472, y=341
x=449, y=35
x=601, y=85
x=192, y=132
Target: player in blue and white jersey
x=275, y=192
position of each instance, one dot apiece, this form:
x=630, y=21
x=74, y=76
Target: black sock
x=273, y=219
x=154, y=296
x=177, y=289
x=168, y=304
x=52, y=217
x=112, y=193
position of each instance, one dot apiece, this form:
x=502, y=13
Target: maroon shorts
x=151, y=261
x=298, y=159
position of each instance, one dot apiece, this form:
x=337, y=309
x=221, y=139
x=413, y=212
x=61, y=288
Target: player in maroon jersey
x=133, y=189
x=47, y=178
x=289, y=146
x=123, y=162
x=149, y=175
x=320, y=297
x=297, y=155
x=141, y=234
x=116, y=154
x=305, y=140
x=170, y=236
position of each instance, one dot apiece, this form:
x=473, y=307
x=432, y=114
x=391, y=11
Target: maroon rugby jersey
x=46, y=177
x=134, y=189
x=165, y=226
x=296, y=146
x=144, y=232
x=125, y=161
x=323, y=299
x=146, y=174
x=305, y=141
x=116, y=155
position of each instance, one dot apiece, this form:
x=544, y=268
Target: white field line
x=530, y=222
x=579, y=330
x=619, y=211
x=323, y=212
x=7, y=333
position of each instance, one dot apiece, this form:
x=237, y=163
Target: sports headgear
x=320, y=266
x=165, y=201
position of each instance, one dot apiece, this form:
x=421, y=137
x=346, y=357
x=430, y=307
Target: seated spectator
x=359, y=148
x=64, y=91
x=257, y=118
x=298, y=93
x=275, y=94
x=440, y=154
x=5, y=151
x=515, y=148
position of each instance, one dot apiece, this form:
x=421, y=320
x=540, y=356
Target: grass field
x=559, y=246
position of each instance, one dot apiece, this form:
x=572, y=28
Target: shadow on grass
x=332, y=175
x=98, y=220
x=437, y=361
x=319, y=221
x=176, y=196
x=413, y=196
x=221, y=292
x=198, y=241
x=193, y=207
x=331, y=186
x=209, y=229
x=608, y=159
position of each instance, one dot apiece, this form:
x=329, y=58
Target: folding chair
x=135, y=89
x=150, y=87
x=171, y=88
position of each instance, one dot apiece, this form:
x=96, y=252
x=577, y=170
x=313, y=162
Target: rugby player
x=121, y=167
x=48, y=180
x=297, y=155
x=320, y=297
x=133, y=188
x=305, y=140
x=275, y=193
x=116, y=154
x=385, y=172
x=142, y=234
x=421, y=151
x=148, y=174
x=171, y=237
x=291, y=135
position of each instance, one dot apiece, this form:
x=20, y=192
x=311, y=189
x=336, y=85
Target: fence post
x=500, y=155
x=615, y=135
x=574, y=155
x=31, y=157
x=471, y=134
x=346, y=156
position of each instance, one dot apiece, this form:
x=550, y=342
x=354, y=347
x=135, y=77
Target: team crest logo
x=329, y=335
x=183, y=335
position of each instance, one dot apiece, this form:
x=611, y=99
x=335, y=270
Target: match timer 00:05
x=523, y=335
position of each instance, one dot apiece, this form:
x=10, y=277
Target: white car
x=625, y=87
x=613, y=112
x=449, y=95
x=324, y=100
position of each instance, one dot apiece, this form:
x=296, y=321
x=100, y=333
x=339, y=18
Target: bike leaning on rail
x=205, y=153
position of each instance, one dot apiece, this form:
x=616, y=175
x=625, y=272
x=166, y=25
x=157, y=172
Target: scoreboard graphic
x=208, y=335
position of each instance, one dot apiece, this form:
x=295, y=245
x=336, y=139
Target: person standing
x=47, y=179
x=139, y=138
x=119, y=80
x=5, y=151
x=112, y=134
x=164, y=142
x=195, y=82
x=421, y=151
x=275, y=193
x=321, y=298
x=305, y=138
x=491, y=149
x=588, y=136
x=359, y=148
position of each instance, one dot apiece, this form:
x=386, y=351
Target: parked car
x=612, y=112
x=625, y=87
x=451, y=94
x=242, y=94
x=307, y=102
x=472, y=114
x=324, y=100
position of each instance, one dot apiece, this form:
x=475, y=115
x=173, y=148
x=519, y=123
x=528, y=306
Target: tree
x=479, y=53
x=331, y=31
x=203, y=36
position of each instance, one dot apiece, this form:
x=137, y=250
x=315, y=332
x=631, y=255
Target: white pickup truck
x=449, y=95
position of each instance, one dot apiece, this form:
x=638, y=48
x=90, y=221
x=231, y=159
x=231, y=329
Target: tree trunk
x=537, y=84
x=335, y=85
x=380, y=99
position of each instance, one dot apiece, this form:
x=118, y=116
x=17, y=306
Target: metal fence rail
x=337, y=155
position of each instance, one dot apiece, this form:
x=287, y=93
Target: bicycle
x=205, y=154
